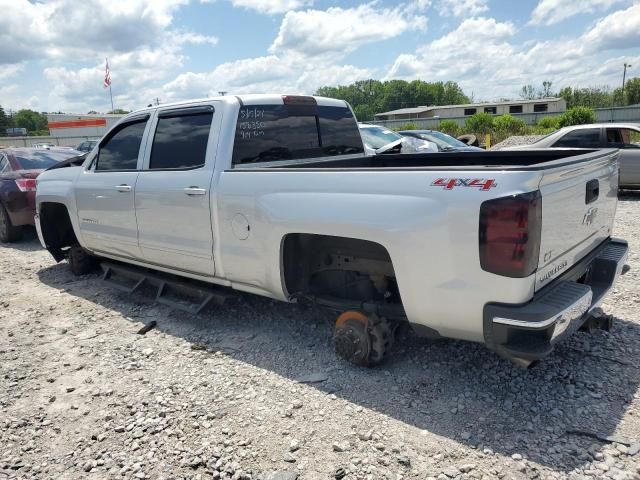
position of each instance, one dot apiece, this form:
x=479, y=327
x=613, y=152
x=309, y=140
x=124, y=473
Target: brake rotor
x=351, y=337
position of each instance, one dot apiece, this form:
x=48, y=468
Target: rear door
x=629, y=156
x=173, y=191
x=578, y=207
x=105, y=191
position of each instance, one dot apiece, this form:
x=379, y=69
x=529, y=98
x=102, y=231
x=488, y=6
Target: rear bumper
x=528, y=332
x=21, y=207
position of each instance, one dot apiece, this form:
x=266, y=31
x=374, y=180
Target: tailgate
x=578, y=209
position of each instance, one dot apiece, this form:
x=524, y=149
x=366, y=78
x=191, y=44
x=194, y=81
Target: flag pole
x=111, y=96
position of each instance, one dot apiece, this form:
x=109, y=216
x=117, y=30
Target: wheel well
x=57, y=230
x=338, y=267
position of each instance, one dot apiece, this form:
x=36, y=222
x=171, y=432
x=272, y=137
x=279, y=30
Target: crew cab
x=273, y=195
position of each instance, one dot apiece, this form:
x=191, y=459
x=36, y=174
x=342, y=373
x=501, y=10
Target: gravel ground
x=253, y=390
x=517, y=140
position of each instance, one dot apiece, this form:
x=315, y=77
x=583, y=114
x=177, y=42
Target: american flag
x=107, y=76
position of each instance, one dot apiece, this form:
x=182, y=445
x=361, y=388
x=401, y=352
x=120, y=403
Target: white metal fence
x=616, y=114
x=30, y=141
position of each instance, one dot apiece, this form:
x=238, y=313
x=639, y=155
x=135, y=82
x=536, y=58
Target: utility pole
x=624, y=75
x=222, y=93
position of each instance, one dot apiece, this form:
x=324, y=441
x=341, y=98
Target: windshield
x=377, y=137
x=443, y=140
x=41, y=159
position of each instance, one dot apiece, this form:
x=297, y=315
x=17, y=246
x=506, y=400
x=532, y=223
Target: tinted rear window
x=267, y=133
x=581, y=138
x=41, y=159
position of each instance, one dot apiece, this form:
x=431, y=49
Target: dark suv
x=19, y=168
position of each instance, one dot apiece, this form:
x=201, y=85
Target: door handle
x=123, y=188
x=194, y=191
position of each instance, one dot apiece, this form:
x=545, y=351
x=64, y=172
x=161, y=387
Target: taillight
x=510, y=234
x=26, y=184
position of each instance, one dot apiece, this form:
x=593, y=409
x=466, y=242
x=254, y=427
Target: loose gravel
x=253, y=390
x=517, y=140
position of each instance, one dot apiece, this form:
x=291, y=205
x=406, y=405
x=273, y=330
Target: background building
x=544, y=106
x=90, y=126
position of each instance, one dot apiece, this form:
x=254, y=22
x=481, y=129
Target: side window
x=4, y=164
x=624, y=138
x=180, y=141
x=582, y=138
x=120, y=150
x=614, y=137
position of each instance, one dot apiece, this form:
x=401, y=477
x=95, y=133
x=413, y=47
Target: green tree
x=593, y=97
x=119, y=111
x=528, y=92
x=4, y=122
x=479, y=123
x=577, y=116
x=508, y=124
x=552, y=122
x=379, y=96
x=32, y=121
x=450, y=127
x=632, y=91
x=546, y=89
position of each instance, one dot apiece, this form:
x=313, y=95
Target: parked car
x=274, y=195
x=19, y=168
x=86, y=146
x=444, y=142
x=43, y=145
x=382, y=140
x=625, y=136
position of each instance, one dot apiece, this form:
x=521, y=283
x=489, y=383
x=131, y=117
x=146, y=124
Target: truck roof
x=249, y=99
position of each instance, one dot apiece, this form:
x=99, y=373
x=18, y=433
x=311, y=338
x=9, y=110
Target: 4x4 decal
x=450, y=183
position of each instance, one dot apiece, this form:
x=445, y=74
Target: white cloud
x=462, y=8
x=620, y=30
x=135, y=78
x=548, y=12
x=10, y=70
x=473, y=50
x=338, y=31
x=182, y=38
x=272, y=73
x=272, y=6
x=67, y=28
x=483, y=57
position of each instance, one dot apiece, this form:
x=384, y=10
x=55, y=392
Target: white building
x=90, y=126
x=516, y=107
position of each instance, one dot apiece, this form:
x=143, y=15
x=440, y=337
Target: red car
x=19, y=168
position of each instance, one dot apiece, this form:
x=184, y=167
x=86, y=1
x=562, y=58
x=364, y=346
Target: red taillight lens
x=26, y=184
x=510, y=234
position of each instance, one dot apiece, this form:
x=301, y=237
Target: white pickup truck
x=273, y=195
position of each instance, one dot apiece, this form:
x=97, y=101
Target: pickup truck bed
x=273, y=195
x=498, y=160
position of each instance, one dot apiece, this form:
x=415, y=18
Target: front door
x=172, y=194
x=105, y=192
x=629, y=155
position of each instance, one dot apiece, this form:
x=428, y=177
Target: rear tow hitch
x=597, y=319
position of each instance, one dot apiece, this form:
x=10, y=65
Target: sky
x=52, y=53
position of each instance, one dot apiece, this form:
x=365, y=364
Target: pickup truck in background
x=623, y=136
x=273, y=195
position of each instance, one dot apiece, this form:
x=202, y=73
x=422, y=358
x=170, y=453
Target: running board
x=188, y=296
